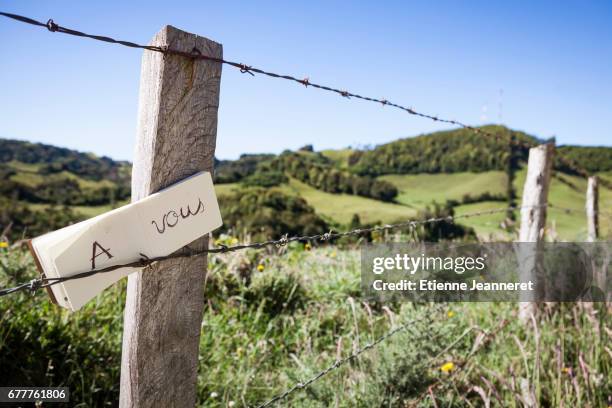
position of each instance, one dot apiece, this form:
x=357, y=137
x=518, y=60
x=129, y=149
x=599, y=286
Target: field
x=419, y=191
x=422, y=190
x=341, y=207
x=296, y=315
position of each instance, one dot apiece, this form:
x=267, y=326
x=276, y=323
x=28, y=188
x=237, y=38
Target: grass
x=341, y=207
x=417, y=192
x=32, y=179
x=221, y=189
x=83, y=183
x=487, y=226
x=338, y=208
x=263, y=332
x=87, y=211
x=566, y=191
x=28, y=179
x=24, y=167
x=420, y=190
x=339, y=157
x=570, y=192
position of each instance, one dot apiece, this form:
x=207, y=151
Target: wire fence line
x=244, y=68
x=486, y=339
x=600, y=213
x=195, y=54
x=428, y=318
x=144, y=261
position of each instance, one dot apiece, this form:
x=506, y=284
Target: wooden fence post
x=533, y=216
x=592, y=208
x=177, y=128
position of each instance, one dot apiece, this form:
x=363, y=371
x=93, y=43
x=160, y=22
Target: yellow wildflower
x=566, y=370
x=261, y=267
x=450, y=313
x=447, y=367
x=307, y=246
x=234, y=241
x=333, y=254
x=3, y=244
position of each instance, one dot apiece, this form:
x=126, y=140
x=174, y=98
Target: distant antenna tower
x=483, y=115
x=500, y=106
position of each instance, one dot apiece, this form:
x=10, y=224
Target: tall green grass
x=273, y=320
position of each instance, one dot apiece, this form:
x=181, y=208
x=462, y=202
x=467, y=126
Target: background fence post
x=533, y=215
x=177, y=127
x=592, y=209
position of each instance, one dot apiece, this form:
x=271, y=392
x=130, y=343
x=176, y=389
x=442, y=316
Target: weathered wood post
x=592, y=208
x=533, y=217
x=177, y=128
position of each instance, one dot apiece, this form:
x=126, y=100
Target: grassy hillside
x=43, y=174
x=565, y=191
x=45, y=178
x=419, y=190
x=341, y=207
x=450, y=151
x=340, y=156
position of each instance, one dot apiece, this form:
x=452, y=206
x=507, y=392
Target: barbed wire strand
x=604, y=214
x=44, y=282
x=340, y=362
x=488, y=337
x=244, y=68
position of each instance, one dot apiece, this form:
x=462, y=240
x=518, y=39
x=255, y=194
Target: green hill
x=450, y=151
x=44, y=174
x=457, y=168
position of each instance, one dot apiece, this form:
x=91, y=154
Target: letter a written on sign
x=156, y=226
x=97, y=251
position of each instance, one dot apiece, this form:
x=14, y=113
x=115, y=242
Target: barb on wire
x=405, y=326
x=244, y=68
x=45, y=282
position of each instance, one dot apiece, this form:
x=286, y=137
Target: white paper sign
x=155, y=226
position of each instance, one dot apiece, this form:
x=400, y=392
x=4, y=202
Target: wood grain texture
x=177, y=128
x=535, y=193
x=533, y=222
x=592, y=209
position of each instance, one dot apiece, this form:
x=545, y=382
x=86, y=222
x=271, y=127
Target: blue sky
x=551, y=59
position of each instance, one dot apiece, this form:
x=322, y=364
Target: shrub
x=267, y=213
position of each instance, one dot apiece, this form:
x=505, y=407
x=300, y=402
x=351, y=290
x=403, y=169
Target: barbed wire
x=44, y=282
x=577, y=210
x=487, y=338
x=244, y=68
x=340, y=362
